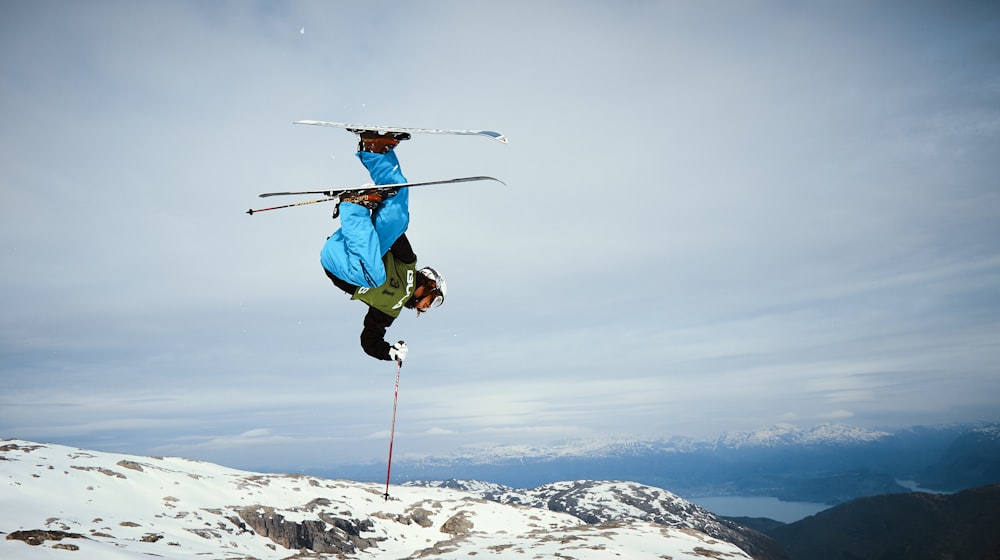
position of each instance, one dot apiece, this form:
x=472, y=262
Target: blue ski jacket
x=354, y=252
x=355, y=256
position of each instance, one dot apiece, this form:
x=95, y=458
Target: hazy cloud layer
x=718, y=216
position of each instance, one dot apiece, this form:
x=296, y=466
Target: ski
x=360, y=127
x=340, y=190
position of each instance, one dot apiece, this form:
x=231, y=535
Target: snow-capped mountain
x=786, y=434
x=989, y=432
x=594, y=447
x=772, y=436
x=780, y=461
x=113, y=506
x=597, y=502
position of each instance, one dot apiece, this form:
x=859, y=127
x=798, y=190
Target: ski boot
x=369, y=198
x=379, y=142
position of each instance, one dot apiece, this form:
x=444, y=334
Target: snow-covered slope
x=595, y=501
x=105, y=506
x=598, y=502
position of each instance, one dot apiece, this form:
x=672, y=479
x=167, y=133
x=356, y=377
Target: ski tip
x=495, y=135
x=487, y=178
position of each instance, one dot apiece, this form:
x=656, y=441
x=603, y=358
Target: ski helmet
x=440, y=287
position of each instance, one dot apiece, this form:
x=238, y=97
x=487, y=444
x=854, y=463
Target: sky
x=718, y=216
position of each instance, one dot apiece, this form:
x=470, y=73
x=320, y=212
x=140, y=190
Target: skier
x=370, y=258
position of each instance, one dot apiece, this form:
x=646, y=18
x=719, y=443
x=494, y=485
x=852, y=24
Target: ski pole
x=392, y=433
x=252, y=211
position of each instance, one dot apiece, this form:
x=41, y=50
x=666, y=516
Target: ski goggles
x=438, y=298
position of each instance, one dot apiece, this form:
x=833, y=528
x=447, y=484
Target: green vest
x=397, y=289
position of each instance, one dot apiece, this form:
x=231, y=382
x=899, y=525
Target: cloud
x=439, y=432
x=838, y=414
x=711, y=222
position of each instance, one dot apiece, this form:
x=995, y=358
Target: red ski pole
x=392, y=433
x=253, y=211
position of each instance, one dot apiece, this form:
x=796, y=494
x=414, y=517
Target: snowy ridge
x=991, y=431
x=781, y=434
x=602, y=501
x=112, y=506
x=596, y=447
x=785, y=434
x=598, y=502
x=595, y=501
x=583, y=448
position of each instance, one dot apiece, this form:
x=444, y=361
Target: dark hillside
x=915, y=526
x=972, y=460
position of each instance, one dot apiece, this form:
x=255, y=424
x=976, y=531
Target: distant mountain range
x=829, y=464
x=774, y=436
x=785, y=435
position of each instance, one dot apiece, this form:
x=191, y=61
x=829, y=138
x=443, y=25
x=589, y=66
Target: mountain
x=916, y=526
x=973, y=459
x=786, y=434
x=768, y=437
x=830, y=464
x=597, y=502
x=119, y=507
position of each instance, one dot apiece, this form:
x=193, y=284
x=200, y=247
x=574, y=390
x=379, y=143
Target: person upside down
x=369, y=256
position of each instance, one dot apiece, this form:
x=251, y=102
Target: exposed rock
x=317, y=503
x=421, y=517
x=459, y=524
x=16, y=447
x=130, y=465
x=36, y=537
x=101, y=470
x=205, y=533
x=344, y=537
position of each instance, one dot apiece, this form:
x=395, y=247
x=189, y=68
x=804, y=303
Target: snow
x=771, y=436
x=129, y=507
x=785, y=434
x=989, y=432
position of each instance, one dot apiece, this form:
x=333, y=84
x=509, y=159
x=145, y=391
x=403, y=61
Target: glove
x=397, y=352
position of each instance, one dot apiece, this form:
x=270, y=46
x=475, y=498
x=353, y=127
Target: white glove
x=398, y=351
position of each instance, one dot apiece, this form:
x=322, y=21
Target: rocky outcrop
x=130, y=465
x=325, y=534
x=39, y=536
x=458, y=525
